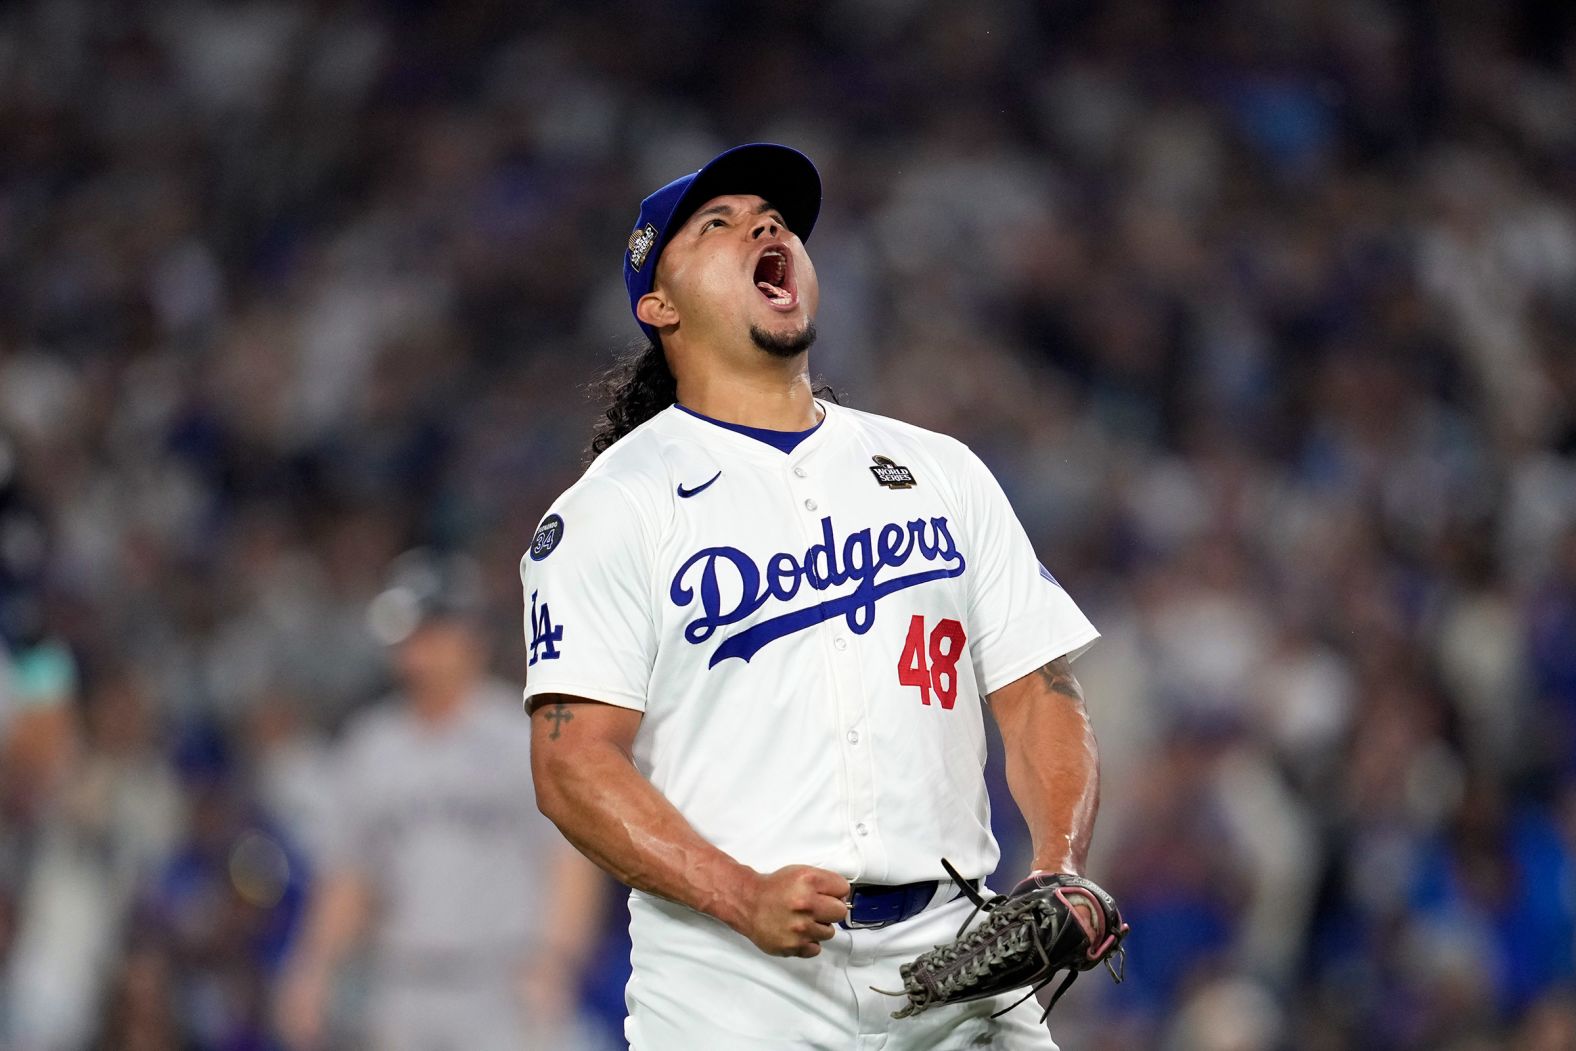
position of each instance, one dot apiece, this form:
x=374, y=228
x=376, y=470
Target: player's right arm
x=337, y=916
x=592, y=609
x=343, y=897
x=587, y=785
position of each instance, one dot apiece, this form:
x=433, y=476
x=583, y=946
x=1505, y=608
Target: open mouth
x=774, y=277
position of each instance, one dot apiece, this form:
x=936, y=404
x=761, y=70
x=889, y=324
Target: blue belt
x=873, y=906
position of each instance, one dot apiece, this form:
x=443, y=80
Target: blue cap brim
x=781, y=175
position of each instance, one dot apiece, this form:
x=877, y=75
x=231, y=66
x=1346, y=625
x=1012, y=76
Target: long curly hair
x=639, y=386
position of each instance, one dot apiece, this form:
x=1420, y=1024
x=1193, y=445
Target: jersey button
x=862, y=829
x=799, y=472
x=853, y=737
x=840, y=642
x=810, y=505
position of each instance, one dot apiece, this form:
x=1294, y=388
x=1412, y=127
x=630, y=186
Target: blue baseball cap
x=783, y=176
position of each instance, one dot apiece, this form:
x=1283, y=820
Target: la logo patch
x=545, y=635
x=891, y=474
x=640, y=243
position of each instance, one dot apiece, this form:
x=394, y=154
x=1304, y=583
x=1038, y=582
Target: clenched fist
x=790, y=912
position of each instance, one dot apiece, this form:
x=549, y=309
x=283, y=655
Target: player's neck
x=776, y=400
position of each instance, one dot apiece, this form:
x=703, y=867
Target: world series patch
x=892, y=475
x=640, y=243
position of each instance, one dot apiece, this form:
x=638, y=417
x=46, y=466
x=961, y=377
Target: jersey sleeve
x=1020, y=617
x=589, y=627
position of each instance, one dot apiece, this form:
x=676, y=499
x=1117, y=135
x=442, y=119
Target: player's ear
x=654, y=309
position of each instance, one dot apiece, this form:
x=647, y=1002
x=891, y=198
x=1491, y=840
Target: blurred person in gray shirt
x=477, y=915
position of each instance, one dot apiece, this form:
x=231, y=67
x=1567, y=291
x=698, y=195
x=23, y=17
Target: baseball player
x=762, y=632
x=479, y=914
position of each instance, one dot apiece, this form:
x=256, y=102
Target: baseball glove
x=1027, y=936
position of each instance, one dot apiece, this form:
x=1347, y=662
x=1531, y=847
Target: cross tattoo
x=560, y=714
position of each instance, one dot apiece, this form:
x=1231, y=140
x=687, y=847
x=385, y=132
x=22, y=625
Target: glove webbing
x=975, y=956
x=983, y=905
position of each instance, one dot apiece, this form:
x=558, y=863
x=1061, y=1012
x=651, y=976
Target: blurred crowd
x=1263, y=313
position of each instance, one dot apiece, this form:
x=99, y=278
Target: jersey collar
x=754, y=441
x=783, y=441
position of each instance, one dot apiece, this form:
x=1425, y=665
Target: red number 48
x=940, y=673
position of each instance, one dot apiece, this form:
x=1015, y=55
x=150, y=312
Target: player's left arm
x=576, y=901
x=1053, y=763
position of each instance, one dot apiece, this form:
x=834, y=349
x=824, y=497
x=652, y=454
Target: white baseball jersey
x=808, y=634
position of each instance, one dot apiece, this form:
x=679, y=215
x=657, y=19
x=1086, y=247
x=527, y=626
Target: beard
x=783, y=345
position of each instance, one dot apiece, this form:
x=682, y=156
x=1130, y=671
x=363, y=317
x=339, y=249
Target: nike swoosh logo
x=686, y=493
